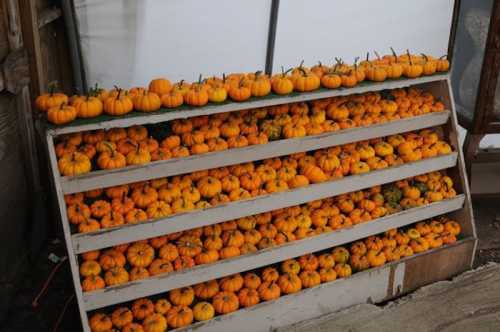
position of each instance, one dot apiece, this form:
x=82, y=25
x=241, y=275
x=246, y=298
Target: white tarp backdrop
x=129, y=42
x=348, y=29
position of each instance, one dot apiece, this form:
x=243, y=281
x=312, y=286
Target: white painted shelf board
x=109, y=178
x=165, y=115
x=83, y=242
x=201, y=273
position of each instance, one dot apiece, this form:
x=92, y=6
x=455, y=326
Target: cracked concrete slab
x=469, y=302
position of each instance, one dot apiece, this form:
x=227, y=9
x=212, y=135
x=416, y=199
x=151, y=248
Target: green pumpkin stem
x=52, y=87
x=94, y=91
x=285, y=72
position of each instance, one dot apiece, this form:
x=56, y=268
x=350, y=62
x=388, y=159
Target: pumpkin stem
x=425, y=57
x=94, y=91
x=283, y=71
x=444, y=56
x=409, y=57
x=258, y=73
x=301, y=64
x=394, y=53
x=367, y=56
x=240, y=84
x=199, y=80
x=52, y=87
x=110, y=147
x=119, y=91
x=377, y=55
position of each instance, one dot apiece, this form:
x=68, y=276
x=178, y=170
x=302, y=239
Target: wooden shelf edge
x=83, y=242
x=108, y=178
x=138, y=119
x=163, y=283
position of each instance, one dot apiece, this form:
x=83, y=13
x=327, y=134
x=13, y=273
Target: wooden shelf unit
x=378, y=284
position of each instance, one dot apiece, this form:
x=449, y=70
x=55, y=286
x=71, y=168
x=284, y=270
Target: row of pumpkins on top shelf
x=119, y=147
x=161, y=197
x=208, y=244
x=237, y=86
x=201, y=302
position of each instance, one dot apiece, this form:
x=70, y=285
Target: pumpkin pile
x=204, y=245
x=119, y=147
x=237, y=86
x=138, y=202
x=181, y=307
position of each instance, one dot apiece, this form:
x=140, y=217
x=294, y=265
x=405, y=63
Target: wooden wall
x=23, y=177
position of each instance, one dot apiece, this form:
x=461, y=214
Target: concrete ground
x=470, y=302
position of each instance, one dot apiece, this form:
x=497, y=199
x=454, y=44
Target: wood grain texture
x=48, y=16
x=441, y=266
x=15, y=72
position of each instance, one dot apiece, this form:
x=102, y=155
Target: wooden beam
x=453, y=31
x=13, y=19
x=48, y=16
x=31, y=38
x=14, y=72
x=15, y=81
x=485, y=100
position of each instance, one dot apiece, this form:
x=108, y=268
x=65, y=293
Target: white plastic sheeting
x=129, y=42
x=347, y=29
